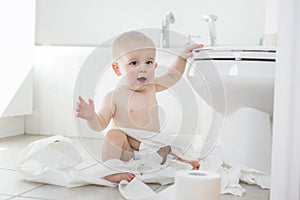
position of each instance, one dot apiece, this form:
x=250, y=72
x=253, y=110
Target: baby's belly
x=147, y=124
x=143, y=116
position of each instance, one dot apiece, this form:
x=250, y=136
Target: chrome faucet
x=164, y=38
x=212, y=28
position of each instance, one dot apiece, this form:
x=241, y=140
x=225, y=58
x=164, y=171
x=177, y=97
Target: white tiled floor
x=13, y=186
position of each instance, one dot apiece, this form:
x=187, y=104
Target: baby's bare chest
x=136, y=110
x=137, y=104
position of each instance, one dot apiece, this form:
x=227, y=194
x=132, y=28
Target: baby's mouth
x=142, y=79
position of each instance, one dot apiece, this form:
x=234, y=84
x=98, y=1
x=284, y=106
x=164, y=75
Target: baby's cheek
x=151, y=72
x=133, y=75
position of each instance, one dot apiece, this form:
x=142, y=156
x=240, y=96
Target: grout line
x=7, y=196
x=11, y=197
x=27, y=197
x=19, y=195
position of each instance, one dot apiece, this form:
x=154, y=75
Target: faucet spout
x=165, y=36
x=211, y=27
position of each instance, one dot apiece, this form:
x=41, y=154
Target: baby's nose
x=142, y=68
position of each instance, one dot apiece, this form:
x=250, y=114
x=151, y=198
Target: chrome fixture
x=211, y=27
x=167, y=20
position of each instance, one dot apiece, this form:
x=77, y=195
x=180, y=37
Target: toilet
x=238, y=84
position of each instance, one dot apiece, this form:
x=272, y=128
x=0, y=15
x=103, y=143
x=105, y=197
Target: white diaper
x=136, y=155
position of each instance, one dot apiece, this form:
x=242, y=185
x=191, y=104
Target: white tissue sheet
x=53, y=160
x=138, y=190
x=232, y=173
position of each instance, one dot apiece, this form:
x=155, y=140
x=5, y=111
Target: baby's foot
x=117, y=178
x=195, y=164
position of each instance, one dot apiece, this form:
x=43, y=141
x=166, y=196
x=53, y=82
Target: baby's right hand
x=85, y=110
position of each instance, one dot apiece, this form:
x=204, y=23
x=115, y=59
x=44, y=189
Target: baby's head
x=134, y=56
x=130, y=41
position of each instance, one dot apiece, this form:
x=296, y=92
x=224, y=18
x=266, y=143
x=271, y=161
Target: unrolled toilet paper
x=197, y=185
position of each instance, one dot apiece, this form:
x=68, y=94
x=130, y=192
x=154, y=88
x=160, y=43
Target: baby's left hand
x=187, y=53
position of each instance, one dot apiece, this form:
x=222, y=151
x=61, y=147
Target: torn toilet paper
x=54, y=160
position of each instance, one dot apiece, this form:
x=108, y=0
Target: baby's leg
x=116, y=178
x=164, y=151
x=116, y=146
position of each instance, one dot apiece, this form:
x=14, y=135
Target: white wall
x=270, y=36
x=271, y=17
x=16, y=53
x=55, y=72
x=90, y=22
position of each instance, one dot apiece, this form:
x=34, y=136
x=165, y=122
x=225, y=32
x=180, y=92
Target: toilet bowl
x=238, y=83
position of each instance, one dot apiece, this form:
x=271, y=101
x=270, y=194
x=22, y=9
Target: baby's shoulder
x=115, y=94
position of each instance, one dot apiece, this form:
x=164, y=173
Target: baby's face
x=139, y=67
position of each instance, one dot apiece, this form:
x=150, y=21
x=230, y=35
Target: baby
x=133, y=104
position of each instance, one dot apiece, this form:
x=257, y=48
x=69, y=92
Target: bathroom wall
x=55, y=70
x=271, y=17
x=17, y=19
x=58, y=23
x=90, y=22
x=270, y=34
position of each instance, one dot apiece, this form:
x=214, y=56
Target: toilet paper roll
x=197, y=185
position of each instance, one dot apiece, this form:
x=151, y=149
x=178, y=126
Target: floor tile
x=253, y=192
x=11, y=164
x=11, y=147
x=13, y=183
x=25, y=198
x=91, y=192
x=5, y=197
x=9, y=153
x=19, y=141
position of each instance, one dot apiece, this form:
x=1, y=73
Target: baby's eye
x=133, y=63
x=149, y=62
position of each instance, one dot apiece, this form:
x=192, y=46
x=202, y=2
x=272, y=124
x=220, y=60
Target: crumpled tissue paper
x=53, y=161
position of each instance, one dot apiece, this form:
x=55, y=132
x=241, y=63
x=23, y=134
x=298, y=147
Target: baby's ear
x=155, y=65
x=116, y=68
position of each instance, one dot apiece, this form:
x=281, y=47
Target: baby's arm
x=97, y=122
x=176, y=70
